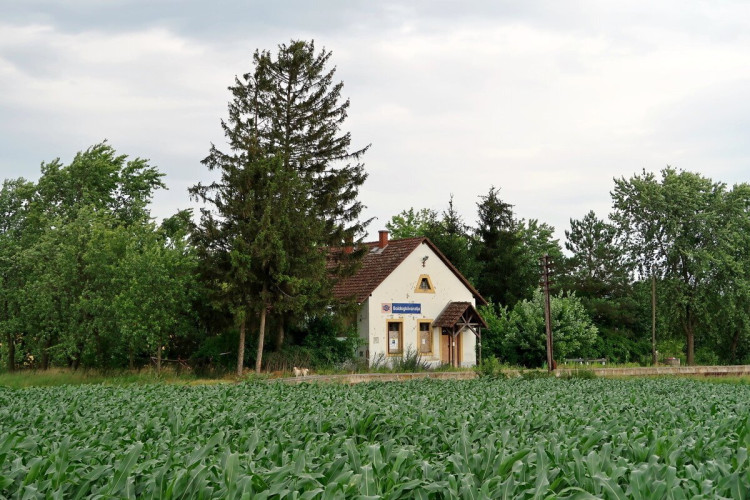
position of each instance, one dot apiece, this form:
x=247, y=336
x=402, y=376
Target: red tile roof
x=378, y=265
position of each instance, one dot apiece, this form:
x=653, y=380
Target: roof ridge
x=395, y=241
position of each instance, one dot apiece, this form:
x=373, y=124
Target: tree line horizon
x=89, y=279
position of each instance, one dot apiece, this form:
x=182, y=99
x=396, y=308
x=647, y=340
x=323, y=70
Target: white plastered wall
x=399, y=287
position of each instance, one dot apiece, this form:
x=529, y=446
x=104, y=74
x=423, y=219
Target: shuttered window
x=395, y=337
x=425, y=337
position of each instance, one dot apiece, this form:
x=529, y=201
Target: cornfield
x=543, y=438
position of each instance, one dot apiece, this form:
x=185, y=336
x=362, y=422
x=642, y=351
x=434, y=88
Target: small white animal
x=301, y=372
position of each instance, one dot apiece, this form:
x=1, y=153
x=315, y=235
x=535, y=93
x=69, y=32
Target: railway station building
x=411, y=299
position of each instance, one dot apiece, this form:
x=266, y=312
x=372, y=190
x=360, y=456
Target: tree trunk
x=78, y=357
x=102, y=357
x=688, y=325
x=158, y=359
x=45, y=354
x=653, y=319
x=690, y=338
x=261, y=338
x=735, y=343
x=241, y=348
x=11, y=352
x=280, y=337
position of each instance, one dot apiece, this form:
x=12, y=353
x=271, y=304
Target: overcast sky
x=547, y=100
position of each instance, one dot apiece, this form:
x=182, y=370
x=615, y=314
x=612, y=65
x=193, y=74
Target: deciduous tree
x=678, y=227
x=15, y=231
x=411, y=223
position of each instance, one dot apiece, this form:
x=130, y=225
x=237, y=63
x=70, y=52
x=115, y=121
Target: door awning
x=457, y=315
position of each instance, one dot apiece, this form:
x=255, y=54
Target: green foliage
x=411, y=223
x=289, y=357
x=88, y=279
x=453, y=237
x=690, y=233
x=598, y=266
x=537, y=239
x=410, y=362
x=620, y=348
x=329, y=341
x=452, y=439
x=518, y=336
x=321, y=343
x=599, y=273
x=500, y=252
x=496, y=318
x=706, y=356
x=288, y=187
x=671, y=348
x=491, y=368
x=500, y=257
x=99, y=178
x=54, y=377
x=217, y=354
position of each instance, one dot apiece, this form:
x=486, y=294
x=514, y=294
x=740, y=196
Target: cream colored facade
x=400, y=287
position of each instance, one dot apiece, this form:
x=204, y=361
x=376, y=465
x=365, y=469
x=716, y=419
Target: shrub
x=411, y=362
x=288, y=358
x=491, y=368
x=328, y=341
x=575, y=336
x=218, y=354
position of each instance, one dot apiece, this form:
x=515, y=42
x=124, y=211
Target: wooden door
x=445, y=356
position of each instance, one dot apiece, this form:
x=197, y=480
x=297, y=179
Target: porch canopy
x=455, y=317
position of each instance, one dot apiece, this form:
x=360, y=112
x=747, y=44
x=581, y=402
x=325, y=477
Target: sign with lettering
x=398, y=308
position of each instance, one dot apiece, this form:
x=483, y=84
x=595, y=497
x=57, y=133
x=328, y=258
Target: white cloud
x=548, y=102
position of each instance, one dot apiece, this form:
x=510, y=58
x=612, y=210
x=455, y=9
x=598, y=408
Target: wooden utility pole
x=653, y=318
x=547, y=264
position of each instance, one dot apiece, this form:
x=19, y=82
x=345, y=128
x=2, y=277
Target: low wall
x=647, y=371
x=356, y=378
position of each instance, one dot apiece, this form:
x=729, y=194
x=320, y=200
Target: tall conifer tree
x=500, y=251
x=288, y=188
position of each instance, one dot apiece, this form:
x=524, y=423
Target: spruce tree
x=452, y=236
x=291, y=104
x=288, y=189
x=500, y=252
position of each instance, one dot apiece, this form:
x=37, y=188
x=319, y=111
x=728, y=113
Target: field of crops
x=541, y=438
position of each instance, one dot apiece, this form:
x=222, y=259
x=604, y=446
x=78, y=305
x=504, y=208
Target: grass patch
x=61, y=376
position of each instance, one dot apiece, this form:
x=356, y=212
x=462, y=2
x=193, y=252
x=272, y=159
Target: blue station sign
x=403, y=308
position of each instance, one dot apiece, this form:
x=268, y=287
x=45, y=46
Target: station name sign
x=401, y=308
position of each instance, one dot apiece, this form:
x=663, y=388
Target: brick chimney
x=383, y=240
